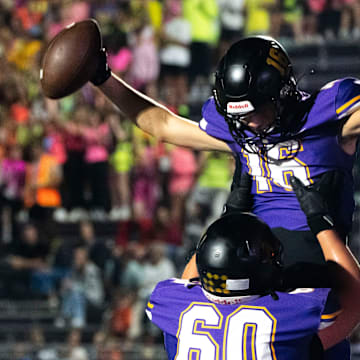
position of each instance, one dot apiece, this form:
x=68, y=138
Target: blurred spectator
x=232, y=21
x=41, y=350
x=110, y=349
x=133, y=266
x=42, y=195
x=21, y=352
x=165, y=228
x=24, y=259
x=182, y=177
x=116, y=43
x=164, y=168
x=329, y=19
x=24, y=51
x=175, y=56
x=350, y=19
x=156, y=266
x=65, y=13
x=203, y=16
x=53, y=141
x=144, y=70
x=213, y=183
x=75, y=350
x=98, y=251
x=97, y=142
x=12, y=182
x=82, y=291
x=258, y=16
x=154, y=10
x=312, y=9
x=74, y=166
x=118, y=318
x=145, y=183
x=122, y=161
x=291, y=16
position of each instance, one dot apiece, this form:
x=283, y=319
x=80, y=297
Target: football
x=70, y=59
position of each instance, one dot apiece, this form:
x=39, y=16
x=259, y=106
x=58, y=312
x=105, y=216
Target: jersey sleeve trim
x=330, y=316
x=150, y=305
x=203, y=124
x=347, y=104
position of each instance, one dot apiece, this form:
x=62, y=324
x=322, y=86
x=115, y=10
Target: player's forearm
x=337, y=332
x=345, y=322
x=348, y=278
x=157, y=120
x=132, y=103
x=351, y=127
x=334, y=250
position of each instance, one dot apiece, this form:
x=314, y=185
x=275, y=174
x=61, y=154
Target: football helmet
x=255, y=70
x=238, y=255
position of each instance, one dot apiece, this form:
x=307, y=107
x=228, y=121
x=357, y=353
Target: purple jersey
x=317, y=151
x=256, y=328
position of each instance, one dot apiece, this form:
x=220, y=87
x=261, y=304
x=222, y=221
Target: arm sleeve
x=161, y=308
x=213, y=123
x=347, y=98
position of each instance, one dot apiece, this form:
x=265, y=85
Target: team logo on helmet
x=278, y=60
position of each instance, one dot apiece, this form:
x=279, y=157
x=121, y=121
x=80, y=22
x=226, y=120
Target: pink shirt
x=96, y=142
x=13, y=178
x=121, y=60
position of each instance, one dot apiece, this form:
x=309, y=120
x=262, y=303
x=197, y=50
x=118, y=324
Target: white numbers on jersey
x=248, y=333
x=277, y=171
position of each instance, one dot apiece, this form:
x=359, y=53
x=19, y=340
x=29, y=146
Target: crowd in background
x=78, y=160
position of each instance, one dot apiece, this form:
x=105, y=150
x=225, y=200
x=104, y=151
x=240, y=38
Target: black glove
x=240, y=198
x=318, y=201
x=103, y=72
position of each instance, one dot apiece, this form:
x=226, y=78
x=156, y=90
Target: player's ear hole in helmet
x=254, y=71
x=238, y=255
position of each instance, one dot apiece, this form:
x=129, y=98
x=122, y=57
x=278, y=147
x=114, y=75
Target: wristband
x=318, y=223
x=103, y=71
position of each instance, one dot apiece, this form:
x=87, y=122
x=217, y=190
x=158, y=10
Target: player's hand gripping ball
x=71, y=59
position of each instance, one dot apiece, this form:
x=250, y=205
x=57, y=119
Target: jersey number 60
x=247, y=333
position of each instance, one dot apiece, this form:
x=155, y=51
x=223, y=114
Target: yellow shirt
x=203, y=15
x=258, y=16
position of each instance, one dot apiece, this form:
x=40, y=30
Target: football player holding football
x=275, y=130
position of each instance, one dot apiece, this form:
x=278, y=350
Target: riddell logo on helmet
x=239, y=107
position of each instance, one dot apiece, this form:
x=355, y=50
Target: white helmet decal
x=239, y=107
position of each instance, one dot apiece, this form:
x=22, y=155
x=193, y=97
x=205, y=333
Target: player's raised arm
x=156, y=119
x=69, y=63
x=313, y=202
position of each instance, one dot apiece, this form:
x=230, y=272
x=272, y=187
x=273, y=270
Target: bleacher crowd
x=79, y=161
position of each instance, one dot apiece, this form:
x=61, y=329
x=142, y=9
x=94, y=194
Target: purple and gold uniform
x=315, y=150
x=252, y=328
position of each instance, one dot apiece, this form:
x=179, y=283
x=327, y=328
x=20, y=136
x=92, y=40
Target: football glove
x=240, y=198
x=103, y=71
x=318, y=200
